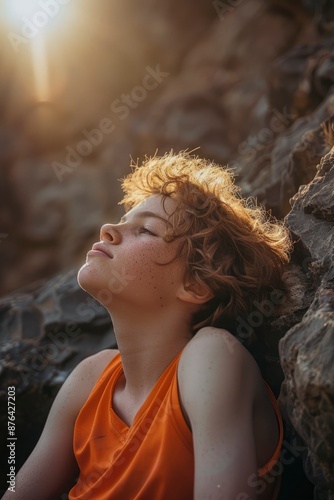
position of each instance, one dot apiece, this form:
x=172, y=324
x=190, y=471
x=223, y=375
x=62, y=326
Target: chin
x=86, y=278
x=90, y=281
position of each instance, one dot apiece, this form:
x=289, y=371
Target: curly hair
x=232, y=247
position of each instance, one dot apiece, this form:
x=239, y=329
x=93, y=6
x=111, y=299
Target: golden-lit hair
x=231, y=246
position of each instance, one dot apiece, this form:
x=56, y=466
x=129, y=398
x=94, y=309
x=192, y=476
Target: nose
x=110, y=233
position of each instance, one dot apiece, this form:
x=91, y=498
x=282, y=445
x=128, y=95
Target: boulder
x=307, y=349
x=285, y=152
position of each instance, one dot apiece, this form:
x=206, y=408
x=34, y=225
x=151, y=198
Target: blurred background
x=86, y=86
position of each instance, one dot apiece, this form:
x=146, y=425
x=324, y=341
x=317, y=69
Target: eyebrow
x=145, y=213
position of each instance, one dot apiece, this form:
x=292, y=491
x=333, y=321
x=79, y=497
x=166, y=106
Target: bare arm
x=51, y=467
x=217, y=388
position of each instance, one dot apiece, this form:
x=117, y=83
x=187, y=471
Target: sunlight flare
x=40, y=69
x=34, y=26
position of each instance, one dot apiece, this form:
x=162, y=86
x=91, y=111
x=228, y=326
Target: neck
x=147, y=344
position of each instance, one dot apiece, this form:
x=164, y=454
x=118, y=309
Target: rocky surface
x=250, y=82
x=307, y=349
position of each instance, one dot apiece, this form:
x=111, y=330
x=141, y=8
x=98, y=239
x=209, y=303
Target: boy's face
x=125, y=266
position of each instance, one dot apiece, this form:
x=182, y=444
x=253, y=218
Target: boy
x=180, y=411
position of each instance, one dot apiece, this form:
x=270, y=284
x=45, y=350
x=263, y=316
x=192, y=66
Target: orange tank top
x=151, y=459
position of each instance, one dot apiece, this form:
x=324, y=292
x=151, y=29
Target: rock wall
x=307, y=349
x=252, y=84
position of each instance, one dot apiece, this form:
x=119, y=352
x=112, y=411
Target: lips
x=100, y=247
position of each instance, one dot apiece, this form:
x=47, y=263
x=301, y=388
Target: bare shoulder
x=215, y=369
x=78, y=385
x=218, y=377
x=217, y=349
x=82, y=379
x=95, y=364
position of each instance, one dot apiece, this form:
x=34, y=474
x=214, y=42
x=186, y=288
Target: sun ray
x=40, y=68
x=17, y=10
x=34, y=26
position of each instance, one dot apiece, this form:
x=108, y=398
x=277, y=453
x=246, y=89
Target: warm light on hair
x=232, y=246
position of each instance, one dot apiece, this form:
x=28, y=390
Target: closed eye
x=145, y=230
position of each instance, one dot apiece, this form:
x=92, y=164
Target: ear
x=195, y=293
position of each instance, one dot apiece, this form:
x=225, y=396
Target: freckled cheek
x=147, y=273
x=139, y=264
x=142, y=264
